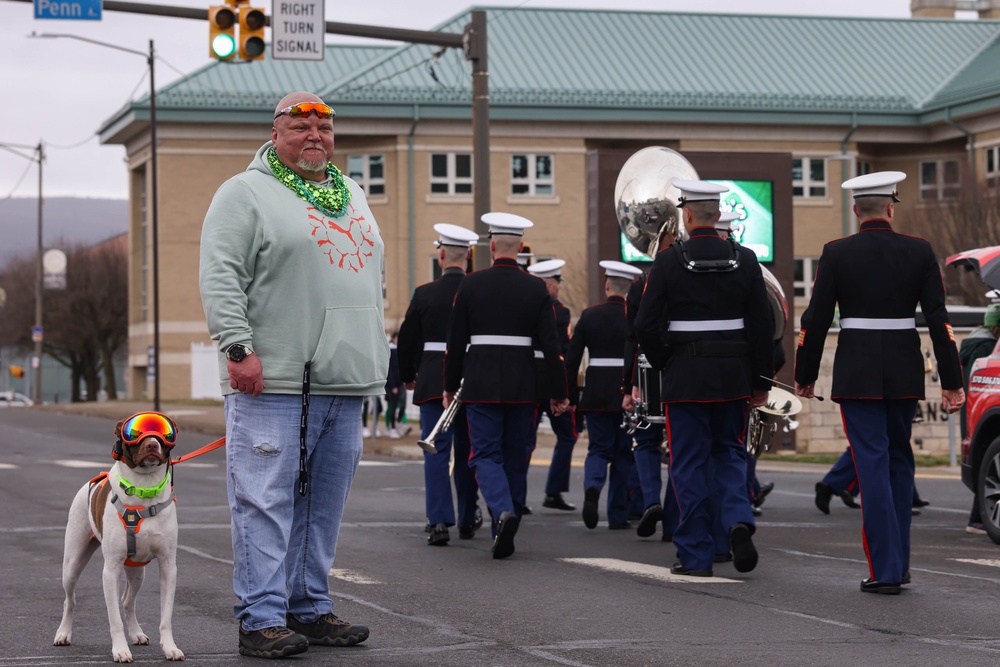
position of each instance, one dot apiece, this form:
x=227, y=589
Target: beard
x=312, y=165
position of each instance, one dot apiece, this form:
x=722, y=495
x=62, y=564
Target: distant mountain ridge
x=65, y=221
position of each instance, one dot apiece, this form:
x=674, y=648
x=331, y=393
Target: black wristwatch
x=237, y=353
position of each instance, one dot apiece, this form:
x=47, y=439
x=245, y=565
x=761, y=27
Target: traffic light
x=16, y=371
x=251, y=33
x=221, y=32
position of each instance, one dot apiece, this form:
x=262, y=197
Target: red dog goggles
x=146, y=424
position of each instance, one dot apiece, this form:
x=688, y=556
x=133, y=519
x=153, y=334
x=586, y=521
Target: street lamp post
x=154, y=208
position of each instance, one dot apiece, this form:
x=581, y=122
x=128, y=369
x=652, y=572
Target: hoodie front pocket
x=352, y=351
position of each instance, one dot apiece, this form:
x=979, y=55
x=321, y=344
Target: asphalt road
x=568, y=596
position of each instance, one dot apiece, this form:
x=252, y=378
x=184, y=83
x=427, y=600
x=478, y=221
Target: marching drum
x=648, y=409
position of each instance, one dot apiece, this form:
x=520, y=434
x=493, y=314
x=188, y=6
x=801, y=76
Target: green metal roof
x=550, y=64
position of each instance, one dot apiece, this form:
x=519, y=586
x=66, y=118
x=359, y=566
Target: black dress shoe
x=557, y=502
x=920, y=502
x=619, y=526
x=823, y=495
x=906, y=578
x=849, y=500
x=724, y=558
x=744, y=552
x=428, y=528
x=466, y=533
x=678, y=568
x=590, y=498
x=477, y=519
x=503, y=545
x=872, y=586
x=756, y=511
x=764, y=490
x=667, y=537
x=525, y=511
x=439, y=535
x=651, y=517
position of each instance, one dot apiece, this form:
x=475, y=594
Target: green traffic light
x=223, y=46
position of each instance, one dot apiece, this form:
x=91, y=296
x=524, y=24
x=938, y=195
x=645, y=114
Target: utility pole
x=37, y=334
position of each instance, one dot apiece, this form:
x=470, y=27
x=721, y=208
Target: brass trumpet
x=443, y=423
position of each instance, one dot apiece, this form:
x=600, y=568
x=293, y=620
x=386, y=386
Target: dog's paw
x=121, y=655
x=63, y=639
x=140, y=638
x=173, y=653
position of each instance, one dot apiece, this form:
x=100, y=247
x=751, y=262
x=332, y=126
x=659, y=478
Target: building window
x=451, y=173
x=993, y=167
x=805, y=275
x=808, y=177
x=940, y=179
x=369, y=172
x=865, y=168
x=531, y=174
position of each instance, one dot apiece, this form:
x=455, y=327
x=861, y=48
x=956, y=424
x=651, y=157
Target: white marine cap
x=506, y=223
x=725, y=219
x=547, y=269
x=698, y=191
x=879, y=184
x=455, y=236
x=615, y=269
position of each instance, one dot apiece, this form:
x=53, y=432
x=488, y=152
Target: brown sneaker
x=328, y=630
x=275, y=642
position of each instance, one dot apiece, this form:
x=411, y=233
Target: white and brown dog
x=129, y=513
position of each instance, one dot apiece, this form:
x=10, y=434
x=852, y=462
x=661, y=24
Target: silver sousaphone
x=645, y=205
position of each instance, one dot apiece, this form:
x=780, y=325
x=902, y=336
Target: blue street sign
x=80, y=10
x=36, y=334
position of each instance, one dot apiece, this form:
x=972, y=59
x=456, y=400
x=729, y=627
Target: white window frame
x=365, y=179
x=939, y=186
x=450, y=179
x=809, y=267
x=533, y=180
x=806, y=182
x=992, y=175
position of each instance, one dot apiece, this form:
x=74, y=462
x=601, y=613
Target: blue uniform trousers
x=707, y=458
x=648, y=458
x=842, y=476
x=437, y=481
x=879, y=433
x=610, y=445
x=564, y=427
x=499, y=434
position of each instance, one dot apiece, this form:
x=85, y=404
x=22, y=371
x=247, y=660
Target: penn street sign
x=297, y=29
x=79, y=10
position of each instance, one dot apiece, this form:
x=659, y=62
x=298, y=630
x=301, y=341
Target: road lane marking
x=78, y=463
x=352, y=577
x=988, y=562
x=645, y=570
x=792, y=552
x=8, y=466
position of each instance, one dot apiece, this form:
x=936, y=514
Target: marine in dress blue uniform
x=600, y=332
x=877, y=277
x=498, y=313
x=421, y=346
x=704, y=319
x=563, y=426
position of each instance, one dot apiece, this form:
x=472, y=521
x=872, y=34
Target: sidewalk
x=199, y=424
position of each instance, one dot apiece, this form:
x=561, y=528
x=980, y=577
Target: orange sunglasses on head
x=146, y=424
x=306, y=108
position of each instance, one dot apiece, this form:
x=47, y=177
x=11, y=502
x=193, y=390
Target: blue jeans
x=284, y=543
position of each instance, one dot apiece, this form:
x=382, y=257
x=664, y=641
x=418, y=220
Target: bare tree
x=970, y=219
x=85, y=324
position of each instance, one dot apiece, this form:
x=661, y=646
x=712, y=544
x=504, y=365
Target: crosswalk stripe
x=988, y=562
x=645, y=570
x=8, y=466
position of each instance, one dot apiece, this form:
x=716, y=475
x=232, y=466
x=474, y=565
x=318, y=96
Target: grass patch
x=921, y=460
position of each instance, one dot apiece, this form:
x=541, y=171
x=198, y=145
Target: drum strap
x=712, y=348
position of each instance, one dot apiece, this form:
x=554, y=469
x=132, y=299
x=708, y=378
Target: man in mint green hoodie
x=291, y=282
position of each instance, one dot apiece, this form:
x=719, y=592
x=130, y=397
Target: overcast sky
x=59, y=91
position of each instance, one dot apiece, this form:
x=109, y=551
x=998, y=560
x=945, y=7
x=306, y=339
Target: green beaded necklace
x=331, y=201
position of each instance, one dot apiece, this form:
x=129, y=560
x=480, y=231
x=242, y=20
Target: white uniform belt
x=514, y=341
x=435, y=347
x=878, y=323
x=706, y=325
x=607, y=361
x=539, y=354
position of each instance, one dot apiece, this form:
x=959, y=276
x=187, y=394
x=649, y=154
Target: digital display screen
x=754, y=229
